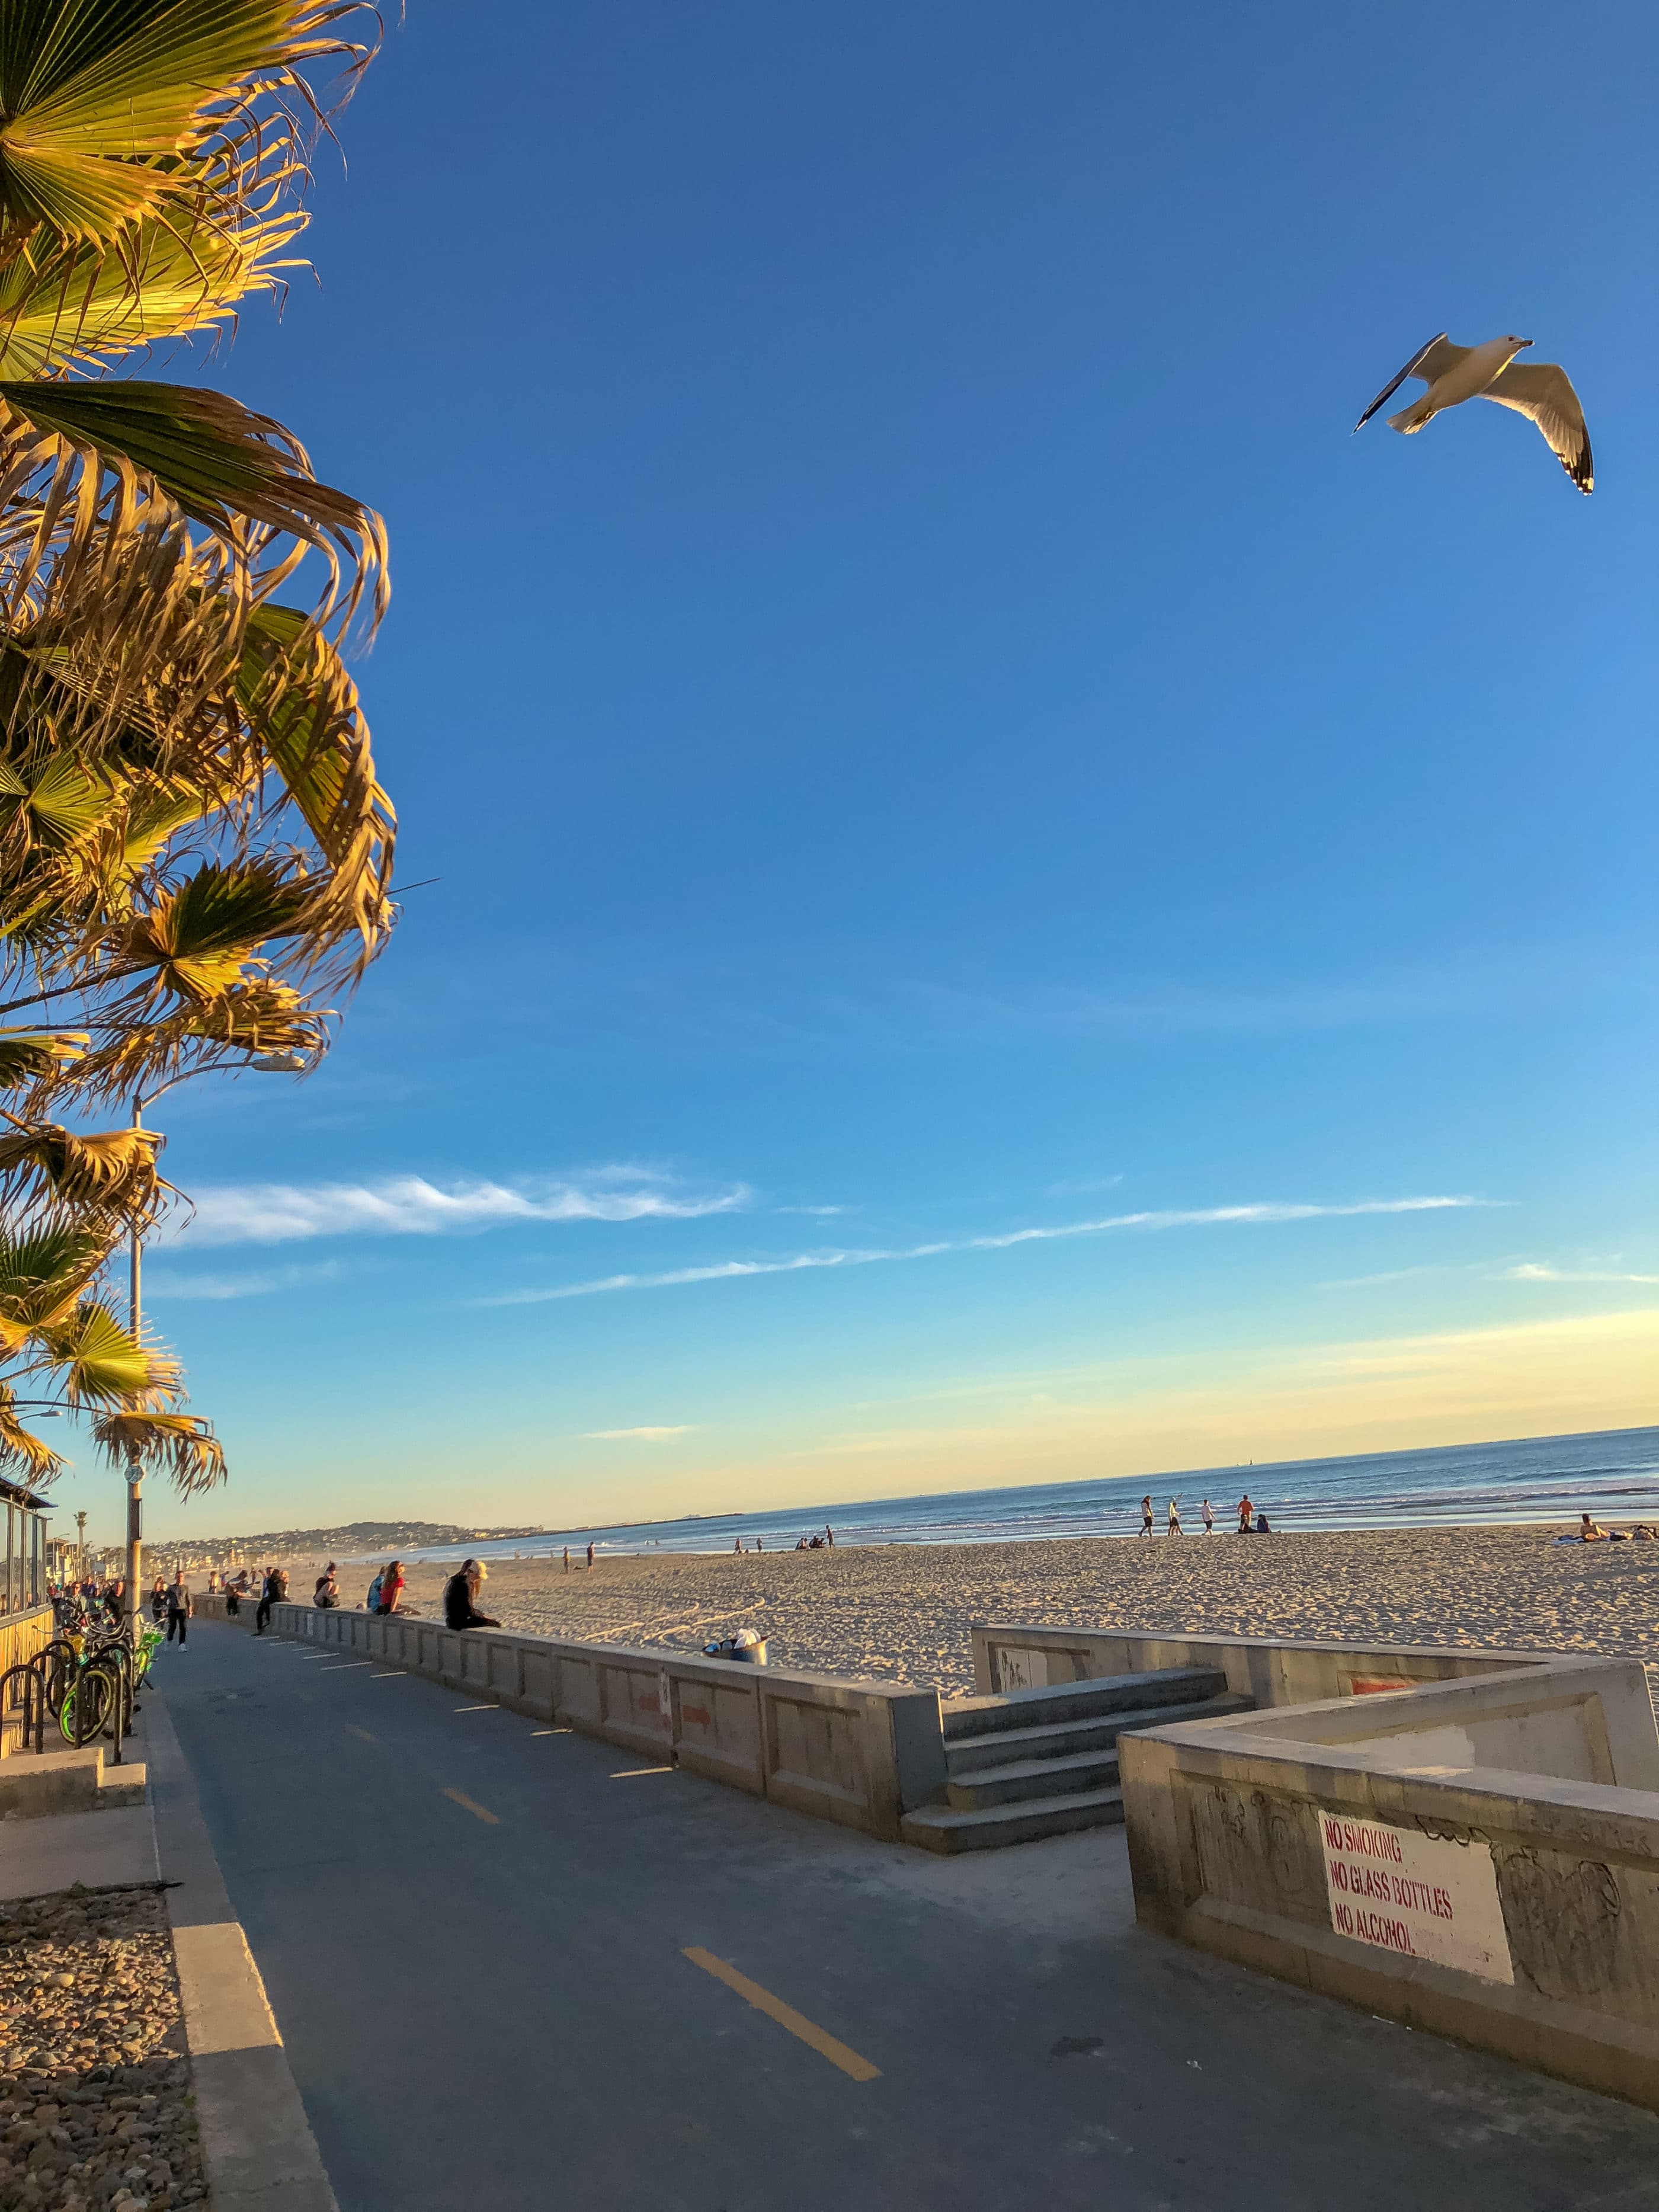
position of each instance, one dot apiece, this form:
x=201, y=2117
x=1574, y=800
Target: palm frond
x=180, y=1445
x=301, y=708
x=109, y=1175
x=98, y=1361
x=197, y=941
x=31, y=1055
x=108, y=109
x=20, y=1447
x=258, y=1015
x=46, y=1266
x=73, y=306
x=98, y=467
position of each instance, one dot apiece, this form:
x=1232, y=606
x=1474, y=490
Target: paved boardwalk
x=473, y=1932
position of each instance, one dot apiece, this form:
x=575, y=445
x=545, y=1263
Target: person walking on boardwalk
x=178, y=1607
x=1176, y=1529
x=272, y=1591
x=1209, y=1519
x=1147, y=1516
x=158, y=1600
x=460, y=1598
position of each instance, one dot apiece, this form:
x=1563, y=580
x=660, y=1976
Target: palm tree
x=194, y=843
x=57, y=1333
x=167, y=724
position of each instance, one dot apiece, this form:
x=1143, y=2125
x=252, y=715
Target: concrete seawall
x=859, y=1754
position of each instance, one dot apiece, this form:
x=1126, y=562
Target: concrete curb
x=257, y=2144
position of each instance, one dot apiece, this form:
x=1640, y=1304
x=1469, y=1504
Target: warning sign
x=1417, y=1895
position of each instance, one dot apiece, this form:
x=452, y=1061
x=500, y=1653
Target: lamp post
x=269, y=1063
x=80, y=1547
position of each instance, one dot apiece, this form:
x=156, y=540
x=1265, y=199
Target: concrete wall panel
x=718, y=1731
x=815, y=1759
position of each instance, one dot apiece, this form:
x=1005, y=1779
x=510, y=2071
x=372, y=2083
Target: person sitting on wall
x=392, y=1586
x=460, y=1598
x=327, y=1592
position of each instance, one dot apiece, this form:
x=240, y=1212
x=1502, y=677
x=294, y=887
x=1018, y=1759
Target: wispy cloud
x=1193, y=1218
x=1529, y=1271
x=411, y=1206
x=639, y=1436
x=163, y=1285
x=1388, y=1275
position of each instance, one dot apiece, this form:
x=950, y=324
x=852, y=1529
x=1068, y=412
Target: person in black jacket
x=460, y=1598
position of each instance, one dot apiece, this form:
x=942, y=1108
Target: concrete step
x=34, y=1785
x=1023, y=1780
x=1078, y=1701
x=942, y=1828
x=973, y=1754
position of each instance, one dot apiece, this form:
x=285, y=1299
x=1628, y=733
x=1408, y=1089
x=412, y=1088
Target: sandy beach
x=901, y=1613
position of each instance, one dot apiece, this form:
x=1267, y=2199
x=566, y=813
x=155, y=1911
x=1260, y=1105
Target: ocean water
x=1614, y=1474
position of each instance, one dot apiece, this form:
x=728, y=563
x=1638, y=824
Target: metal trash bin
x=750, y=1652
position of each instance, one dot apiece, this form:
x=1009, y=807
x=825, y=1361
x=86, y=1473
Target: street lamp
x=267, y=1063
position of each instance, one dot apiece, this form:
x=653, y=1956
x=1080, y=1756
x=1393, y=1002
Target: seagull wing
x=1543, y=390
x=1430, y=362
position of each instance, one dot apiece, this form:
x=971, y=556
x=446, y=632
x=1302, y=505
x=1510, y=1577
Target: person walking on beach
x=1209, y=1519
x=1246, y=1514
x=1147, y=1516
x=1176, y=1529
x=178, y=1607
x=460, y=1598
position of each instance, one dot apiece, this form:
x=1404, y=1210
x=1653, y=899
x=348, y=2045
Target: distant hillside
x=353, y=1536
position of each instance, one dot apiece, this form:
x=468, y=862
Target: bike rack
x=32, y=1702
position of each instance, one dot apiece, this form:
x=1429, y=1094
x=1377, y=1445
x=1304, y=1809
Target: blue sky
x=930, y=727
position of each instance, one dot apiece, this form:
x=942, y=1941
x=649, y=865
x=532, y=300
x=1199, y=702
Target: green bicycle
x=100, y=1695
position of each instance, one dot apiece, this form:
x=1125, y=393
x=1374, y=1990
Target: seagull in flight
x=1540, y=389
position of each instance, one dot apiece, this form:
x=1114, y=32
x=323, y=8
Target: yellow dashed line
x=467, y=1805
x=824, y=2044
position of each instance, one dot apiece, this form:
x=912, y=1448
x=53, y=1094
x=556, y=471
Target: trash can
x=745, y=1646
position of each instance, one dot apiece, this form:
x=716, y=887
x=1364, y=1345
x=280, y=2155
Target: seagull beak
x=1526, y=342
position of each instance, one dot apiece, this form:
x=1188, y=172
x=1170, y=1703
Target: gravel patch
x=96, y=2113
